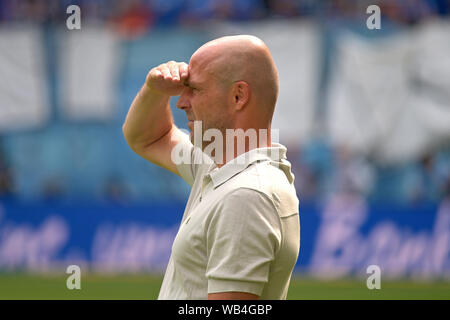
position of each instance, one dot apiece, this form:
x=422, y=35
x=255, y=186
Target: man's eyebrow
x=188, y=83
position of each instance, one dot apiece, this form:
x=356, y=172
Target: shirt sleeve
x=189, y=159
x=243, y=237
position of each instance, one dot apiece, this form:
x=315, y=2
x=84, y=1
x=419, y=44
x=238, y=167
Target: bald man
x=239, y=237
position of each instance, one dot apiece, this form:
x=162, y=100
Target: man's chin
x=192, y=139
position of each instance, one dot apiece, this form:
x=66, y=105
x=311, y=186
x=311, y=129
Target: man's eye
x=190, y=87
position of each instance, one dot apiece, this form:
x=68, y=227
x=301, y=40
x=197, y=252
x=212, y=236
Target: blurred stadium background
x=365, y=115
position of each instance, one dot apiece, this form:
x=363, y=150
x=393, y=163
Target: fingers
x=164, y=69
x=168, y=77
x=157, y=74
x=175, y=73
x=178, y=70
x=184, y=70
x=173, y=70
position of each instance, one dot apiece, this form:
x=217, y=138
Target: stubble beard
x=219, y=125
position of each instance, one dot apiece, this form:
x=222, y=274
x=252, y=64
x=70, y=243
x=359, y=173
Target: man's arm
x=232, y=296
x=149, y=128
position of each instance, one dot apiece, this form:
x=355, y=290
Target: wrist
x=147, y=89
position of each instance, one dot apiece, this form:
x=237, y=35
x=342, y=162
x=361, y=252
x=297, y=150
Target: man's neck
x=233, y=153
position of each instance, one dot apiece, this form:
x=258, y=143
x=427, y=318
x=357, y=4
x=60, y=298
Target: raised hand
x=168, y=78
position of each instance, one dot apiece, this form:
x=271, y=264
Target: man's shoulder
x=270, y=180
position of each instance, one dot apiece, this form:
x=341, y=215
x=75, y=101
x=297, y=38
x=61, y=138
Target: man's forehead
x=197, y=72
x=203, y=58
x=195, y=66
x=193, y=75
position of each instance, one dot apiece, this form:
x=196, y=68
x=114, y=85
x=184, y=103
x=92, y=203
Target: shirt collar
x=275, y=153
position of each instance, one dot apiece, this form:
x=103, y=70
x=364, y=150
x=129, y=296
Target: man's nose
x=183, y=102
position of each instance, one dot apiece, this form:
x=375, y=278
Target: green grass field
x=144, y=286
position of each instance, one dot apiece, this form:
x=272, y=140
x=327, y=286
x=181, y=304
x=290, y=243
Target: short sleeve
x=243, y=237
x=189, y=159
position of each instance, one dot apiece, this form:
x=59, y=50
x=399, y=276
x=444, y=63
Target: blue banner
x=341, y=237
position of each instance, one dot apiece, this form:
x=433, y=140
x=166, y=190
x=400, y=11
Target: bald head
x=242, y=58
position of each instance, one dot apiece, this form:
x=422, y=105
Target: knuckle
x=153, y=72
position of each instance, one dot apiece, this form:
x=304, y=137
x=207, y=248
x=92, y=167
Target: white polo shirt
x=240, y=230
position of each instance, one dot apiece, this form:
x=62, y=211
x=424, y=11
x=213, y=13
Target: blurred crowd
x=321, y=170
x=135, y=16
x=6, y=181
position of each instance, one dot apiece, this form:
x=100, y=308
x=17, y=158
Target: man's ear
x=241, y=94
